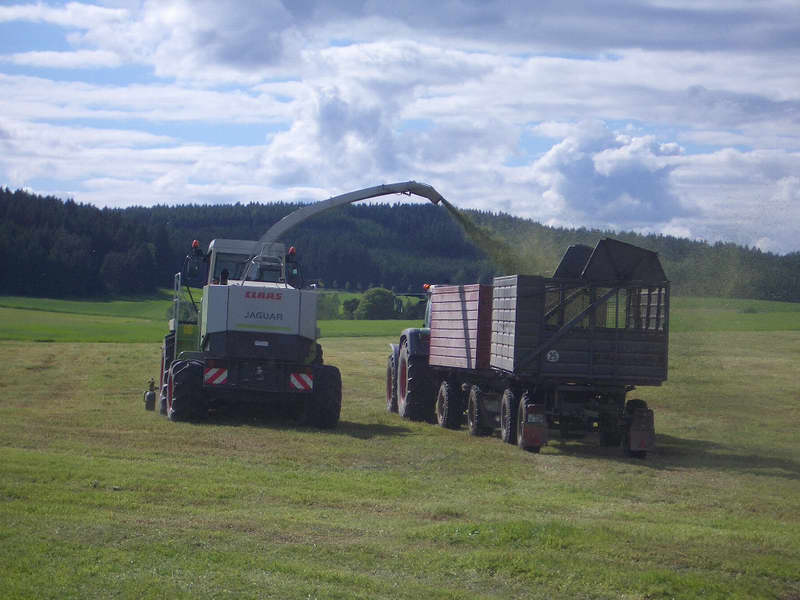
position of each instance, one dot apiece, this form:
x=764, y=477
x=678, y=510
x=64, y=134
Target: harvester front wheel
x=324, y=405
x=448, y=405
x=391, y=384
x=414, y=393
x=185, y=391
x=508, y=417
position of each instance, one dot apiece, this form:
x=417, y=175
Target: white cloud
x=80, y=59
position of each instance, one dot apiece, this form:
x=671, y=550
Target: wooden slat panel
x=461, y=326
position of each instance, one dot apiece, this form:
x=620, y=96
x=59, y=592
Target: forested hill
x=53, y=248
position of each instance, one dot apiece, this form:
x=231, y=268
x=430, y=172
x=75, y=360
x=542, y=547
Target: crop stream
x=500, y=253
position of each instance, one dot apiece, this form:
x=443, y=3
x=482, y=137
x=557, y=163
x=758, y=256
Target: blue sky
x=669, y=116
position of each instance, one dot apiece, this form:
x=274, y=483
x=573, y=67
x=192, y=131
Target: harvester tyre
x=475, y=413
x=324, y=405
x=185, y=399
x=508, y=417
x=414, y=393
x=391, y=384
x=449, y=407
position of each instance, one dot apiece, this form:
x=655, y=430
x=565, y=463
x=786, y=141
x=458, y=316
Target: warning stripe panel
x=215, y=376
x=301, y=381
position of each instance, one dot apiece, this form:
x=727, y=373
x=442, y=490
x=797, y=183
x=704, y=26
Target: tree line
x=55, y=248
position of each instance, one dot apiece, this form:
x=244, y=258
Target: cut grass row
x=100, y=498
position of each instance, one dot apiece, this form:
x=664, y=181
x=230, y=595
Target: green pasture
x=99, y=498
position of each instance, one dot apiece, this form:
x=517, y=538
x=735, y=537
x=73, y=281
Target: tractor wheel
x=475, y=413
x=414, y=393
x=391, y=385
x=521, y=424
x=324, y=405
x=449, y=406
x=508, y=417
x=185, y=399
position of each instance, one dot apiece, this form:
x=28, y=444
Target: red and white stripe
x=301, y=381
x=215, y=375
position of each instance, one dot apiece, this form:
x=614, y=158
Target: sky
x=678, y=117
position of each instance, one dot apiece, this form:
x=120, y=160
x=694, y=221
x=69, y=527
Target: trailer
x=529, y=354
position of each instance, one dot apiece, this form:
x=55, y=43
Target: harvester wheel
x=185, y=391
x=475, y=413
x=508, y=417
x=414, y=393
x=323, y=406
x=449, y=407
x=391, y=384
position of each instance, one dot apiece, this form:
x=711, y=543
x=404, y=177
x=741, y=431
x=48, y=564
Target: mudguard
x=419, y=340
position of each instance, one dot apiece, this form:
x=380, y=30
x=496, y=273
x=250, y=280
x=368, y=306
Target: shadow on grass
x=283, y=421
x=673, y=452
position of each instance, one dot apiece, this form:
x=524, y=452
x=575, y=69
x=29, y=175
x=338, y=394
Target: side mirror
x=194, y=271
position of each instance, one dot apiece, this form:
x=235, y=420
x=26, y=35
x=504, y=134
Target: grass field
x=99, y=498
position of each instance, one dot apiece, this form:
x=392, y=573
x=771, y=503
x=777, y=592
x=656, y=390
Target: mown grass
x=99, y=498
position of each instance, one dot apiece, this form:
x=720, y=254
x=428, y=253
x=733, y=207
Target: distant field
x=145, y=320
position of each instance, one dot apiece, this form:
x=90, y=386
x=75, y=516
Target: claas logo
x=264, y=295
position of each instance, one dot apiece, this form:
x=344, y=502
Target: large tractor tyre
x=324, y=405
x=521, y=425
x=414, y=393
x=508, y=417
x=475, y=416
x=318, y=360
x=449, y=406
x=185, y=399
x=391, y=384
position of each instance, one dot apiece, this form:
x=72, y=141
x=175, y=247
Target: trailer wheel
x=475, y=413
x=521, y=424
x=631, y=406
x=508, y=417
x=391, y=385
x=414, y=393
x=610, y=433
x=185, y=399
x=448, y=405
x=324, y=405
